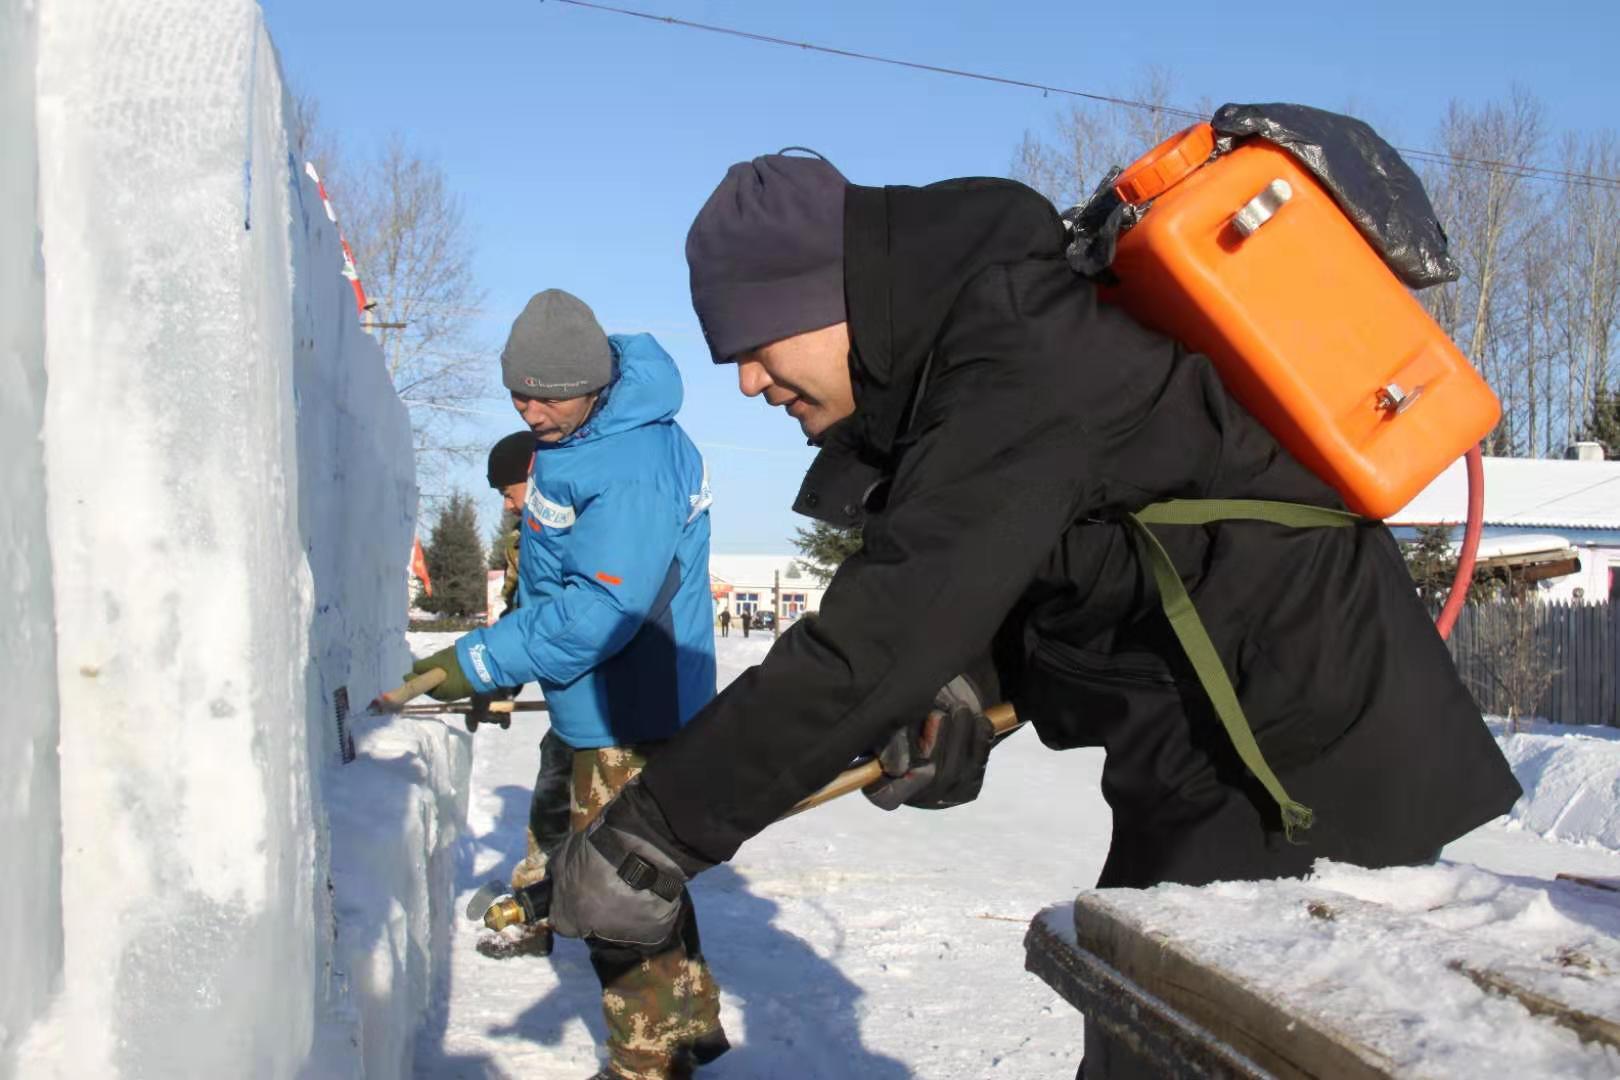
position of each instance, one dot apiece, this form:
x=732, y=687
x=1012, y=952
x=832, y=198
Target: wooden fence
x=1555, y=661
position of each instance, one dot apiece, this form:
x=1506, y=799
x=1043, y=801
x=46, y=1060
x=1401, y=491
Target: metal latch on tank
x=1395, y=400
x=1259, y=210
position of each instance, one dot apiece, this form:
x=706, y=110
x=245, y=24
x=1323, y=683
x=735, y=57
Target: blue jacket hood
x=646, y=389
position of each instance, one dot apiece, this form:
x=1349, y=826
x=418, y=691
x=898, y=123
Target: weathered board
x=1141, y=970
x=1182, y=1016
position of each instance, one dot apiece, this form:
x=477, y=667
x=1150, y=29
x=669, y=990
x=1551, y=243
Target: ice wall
x=30, y=819
x=392, y=813
x=231, y=498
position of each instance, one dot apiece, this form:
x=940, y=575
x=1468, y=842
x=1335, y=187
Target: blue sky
x=584, y=142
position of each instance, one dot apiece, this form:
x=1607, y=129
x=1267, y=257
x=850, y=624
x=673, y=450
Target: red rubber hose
x=1470, y=545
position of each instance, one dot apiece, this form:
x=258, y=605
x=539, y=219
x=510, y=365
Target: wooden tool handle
x=496, y=708
x=395, y=699
x=1002, y=720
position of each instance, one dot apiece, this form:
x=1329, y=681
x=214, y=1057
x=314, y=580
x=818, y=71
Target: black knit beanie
x=509, y=460
x=766, y=253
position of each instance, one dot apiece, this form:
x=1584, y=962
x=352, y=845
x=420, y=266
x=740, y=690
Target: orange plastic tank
x=1248, y=260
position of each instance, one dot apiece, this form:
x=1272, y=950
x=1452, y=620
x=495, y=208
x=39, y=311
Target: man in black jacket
x=992, y=426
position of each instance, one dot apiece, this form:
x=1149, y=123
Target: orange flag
x=419, y=566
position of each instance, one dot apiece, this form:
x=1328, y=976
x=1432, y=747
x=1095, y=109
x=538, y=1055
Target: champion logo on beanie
x=556, y=349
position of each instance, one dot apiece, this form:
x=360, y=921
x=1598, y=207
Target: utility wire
x=851, y=54
x=1517, y=170
x=1525, y=514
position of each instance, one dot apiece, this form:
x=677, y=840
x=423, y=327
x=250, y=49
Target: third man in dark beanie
x=1007, y=444
x=508, y=473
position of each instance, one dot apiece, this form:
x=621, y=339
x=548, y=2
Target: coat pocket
x=1079, y=697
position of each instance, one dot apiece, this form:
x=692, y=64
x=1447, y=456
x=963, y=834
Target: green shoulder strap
x=1189, y=628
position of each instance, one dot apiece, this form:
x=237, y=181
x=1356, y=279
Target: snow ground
x=848, y=943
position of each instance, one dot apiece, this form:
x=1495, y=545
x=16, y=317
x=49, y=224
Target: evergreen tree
x=455, y=559
x=1431, y=563
x=497, y=540
x=1603, y=425
x=824, y=548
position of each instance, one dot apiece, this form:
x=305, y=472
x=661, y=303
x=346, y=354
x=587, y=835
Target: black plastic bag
x=1365, y=175
x=1374, y=187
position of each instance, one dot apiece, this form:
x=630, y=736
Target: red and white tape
x=349, y=270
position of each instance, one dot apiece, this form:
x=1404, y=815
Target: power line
x=1517, y=170
x=873, y=58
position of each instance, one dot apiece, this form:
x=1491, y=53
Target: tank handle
x=1260, y=209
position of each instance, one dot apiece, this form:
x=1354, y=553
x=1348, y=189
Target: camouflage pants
x=654, y=1005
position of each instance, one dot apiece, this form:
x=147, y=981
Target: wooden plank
x=1565, y=658
x=1612, y=885
x=1579, y=666
x=1589, y=676
x=1589, y=1027
x=1606, y=665
x=1570, y=665
x=1175, y=1046
x=1611, y=665
x=1283, y=1042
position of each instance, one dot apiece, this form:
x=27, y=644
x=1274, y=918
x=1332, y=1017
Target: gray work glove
x=938, y=762
x=616, y=881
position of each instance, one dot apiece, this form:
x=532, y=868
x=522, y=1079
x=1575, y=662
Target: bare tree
x=1035, y=163
x=414, y=253
x=1591, y=267
x=1519, y=660
x=1146, y=128
x=1536, y=307
x=411, y=244
x=1488, y=211
x=311, y=140
x=1090, y=139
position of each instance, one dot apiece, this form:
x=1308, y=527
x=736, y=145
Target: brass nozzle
x=503, y=913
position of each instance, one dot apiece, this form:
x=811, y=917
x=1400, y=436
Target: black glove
x=938, y=762
x=622, y=880
x=455, y=686
x=480, y=714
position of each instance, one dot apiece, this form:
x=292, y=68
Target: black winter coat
x=1007, y=419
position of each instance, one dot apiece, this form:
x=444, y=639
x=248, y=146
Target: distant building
x=1557, y=522
x=744, y=583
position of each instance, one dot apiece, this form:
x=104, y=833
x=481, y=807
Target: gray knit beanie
x=766, y=253
x=556, y=349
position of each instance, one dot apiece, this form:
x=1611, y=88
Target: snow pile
x=394, y=815
x=30, y=818
x=1376, y=955
x=1571, y=781
x=229, y=491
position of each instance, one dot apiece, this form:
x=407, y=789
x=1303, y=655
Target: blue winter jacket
x=615, y=614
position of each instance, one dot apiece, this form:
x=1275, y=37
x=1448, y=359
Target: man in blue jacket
x=614, y=621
